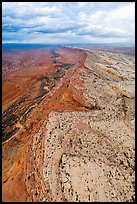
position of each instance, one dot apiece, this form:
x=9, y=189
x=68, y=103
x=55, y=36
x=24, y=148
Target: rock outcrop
x=78, y=142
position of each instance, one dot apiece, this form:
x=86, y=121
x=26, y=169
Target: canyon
x=68, y=125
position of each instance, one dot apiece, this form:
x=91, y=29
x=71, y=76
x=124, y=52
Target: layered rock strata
x=83, y=147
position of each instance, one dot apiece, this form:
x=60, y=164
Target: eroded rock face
x=81, y=143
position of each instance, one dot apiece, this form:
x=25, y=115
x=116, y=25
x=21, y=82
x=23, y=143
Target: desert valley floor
x=68, y=125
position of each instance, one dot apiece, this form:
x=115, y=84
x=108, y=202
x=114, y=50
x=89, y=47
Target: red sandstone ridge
x=68, y=126
x=54, y=100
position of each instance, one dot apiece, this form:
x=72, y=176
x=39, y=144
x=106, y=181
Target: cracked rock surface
x=89, y=156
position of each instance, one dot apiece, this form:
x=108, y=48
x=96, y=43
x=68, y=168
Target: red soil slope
x=62, y=96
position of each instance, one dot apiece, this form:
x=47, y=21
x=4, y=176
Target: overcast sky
x=68, y=22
